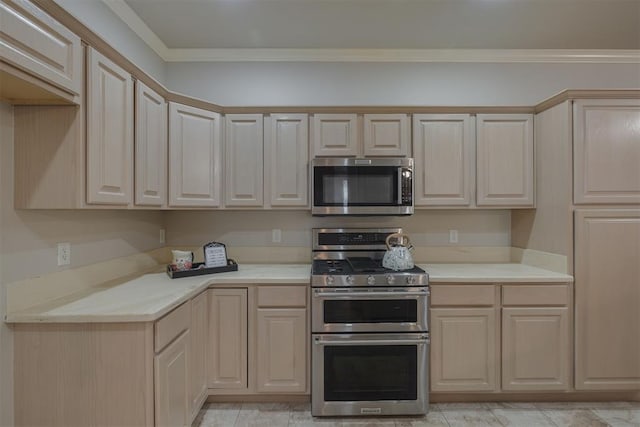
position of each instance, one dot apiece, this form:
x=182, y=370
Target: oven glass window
x=370, y=372
x=371, y=311
x=356, y=186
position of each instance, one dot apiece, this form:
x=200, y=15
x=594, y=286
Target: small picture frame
x=215, y=254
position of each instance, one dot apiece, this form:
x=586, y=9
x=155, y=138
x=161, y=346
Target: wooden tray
x=196, y=270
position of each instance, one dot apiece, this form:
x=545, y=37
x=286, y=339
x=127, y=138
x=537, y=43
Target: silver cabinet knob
x=390, y=279
x=371, y=280
x=350, y=280
x=330, y=280
x=411, y=280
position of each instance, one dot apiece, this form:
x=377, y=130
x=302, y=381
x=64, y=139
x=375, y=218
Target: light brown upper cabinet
x=443, y=148
x=387, y=135
x=504, y=171
x=36, y=45
x=607, y=275
x=286, y=149
x=109, y=132
x=606, y=149
x=195, y=153
x=244, y=148
x=150, y=147
x=335, y=135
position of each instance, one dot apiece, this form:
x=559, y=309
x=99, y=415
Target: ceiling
x=391, y=24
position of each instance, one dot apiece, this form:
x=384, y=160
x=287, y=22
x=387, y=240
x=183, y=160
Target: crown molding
x=405, y=55
x=133, y=21
x=129, y=16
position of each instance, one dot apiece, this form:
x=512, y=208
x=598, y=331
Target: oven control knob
x=390, y=279
x=350, y=280
x=330, y=280
x=371, y=280
x=411, y=280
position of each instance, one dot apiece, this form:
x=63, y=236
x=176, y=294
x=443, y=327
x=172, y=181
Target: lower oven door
x=370, y=374
x=379, y=309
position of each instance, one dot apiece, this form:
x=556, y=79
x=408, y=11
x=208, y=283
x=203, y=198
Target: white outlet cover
x=453, y=236
x=64, y=253
x=276, y=235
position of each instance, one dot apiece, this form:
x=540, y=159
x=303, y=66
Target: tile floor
x=540, y=414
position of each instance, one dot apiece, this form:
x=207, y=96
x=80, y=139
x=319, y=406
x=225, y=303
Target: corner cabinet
x=606, y=150
x=150, y=147
x=505, y=160
x=41, y=58
x=244, y=148
x=607, y=273
x=443, y=147
x=109, y=132
x=195, y=157
x=286, y=159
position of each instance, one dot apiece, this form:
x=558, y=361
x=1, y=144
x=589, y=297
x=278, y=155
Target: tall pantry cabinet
x=588, y=179
x=606, y=193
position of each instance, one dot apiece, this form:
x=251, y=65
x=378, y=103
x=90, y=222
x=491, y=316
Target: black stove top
x=355, y=265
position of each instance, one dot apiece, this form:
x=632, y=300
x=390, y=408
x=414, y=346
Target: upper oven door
x=362, y=186
x=369, y=310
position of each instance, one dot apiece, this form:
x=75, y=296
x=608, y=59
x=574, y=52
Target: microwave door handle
x=399, y=186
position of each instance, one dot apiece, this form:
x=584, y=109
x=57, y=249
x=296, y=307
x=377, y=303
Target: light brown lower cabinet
x=258, y=340
x=172, y=396
x=528, y=346
x=198, y=351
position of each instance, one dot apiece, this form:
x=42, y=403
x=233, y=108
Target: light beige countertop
x=151, y=296
x=492, y=273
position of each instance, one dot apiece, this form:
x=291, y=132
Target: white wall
x=6, y=338
x=252, y=84
x=99, y=18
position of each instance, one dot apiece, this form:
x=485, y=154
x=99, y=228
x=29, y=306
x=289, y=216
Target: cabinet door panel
x=606, y=151
x=194, y=157
x=172, y=384
x=150, y=147
x=198, y=352
x=109, y=132
x=228, y=338
x=335, y=135
x=387, y=135
x=443, y=151
x=286, y=159
x=607, y=289
x=281, y=348
x=33, y=41
x=463, y=349
x=244, y=152
x=535, y=348
x=505, y=160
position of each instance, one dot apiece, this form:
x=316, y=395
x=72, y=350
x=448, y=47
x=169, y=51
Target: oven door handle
x=320, y=294
x=422, y=341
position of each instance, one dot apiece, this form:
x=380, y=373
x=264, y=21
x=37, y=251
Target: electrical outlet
x=162, y=238
x=453, y=236
x=276, y=235
x=64, y=253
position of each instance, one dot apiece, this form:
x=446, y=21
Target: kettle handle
x=401, y=238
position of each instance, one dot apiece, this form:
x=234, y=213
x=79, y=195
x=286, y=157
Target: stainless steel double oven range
x=370, y=336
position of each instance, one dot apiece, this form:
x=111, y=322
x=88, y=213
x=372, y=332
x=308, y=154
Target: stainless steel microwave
x=348, y=186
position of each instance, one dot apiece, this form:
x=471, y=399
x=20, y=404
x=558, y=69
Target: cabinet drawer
x=282, y=296
x=172, y=325
x=535, y=295
x=33, y=41
x=467, y=295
